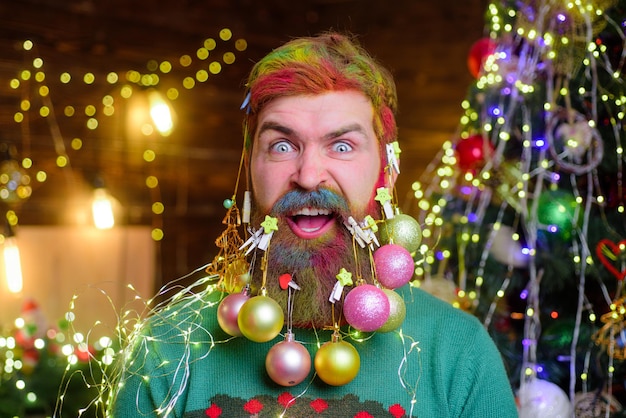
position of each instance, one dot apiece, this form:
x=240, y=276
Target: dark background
x=424, y=43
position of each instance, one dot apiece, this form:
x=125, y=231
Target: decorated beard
x=313, y=263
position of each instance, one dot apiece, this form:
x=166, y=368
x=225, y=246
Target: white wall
x=60, y=262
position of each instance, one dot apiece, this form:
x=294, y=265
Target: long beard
x=313, y=264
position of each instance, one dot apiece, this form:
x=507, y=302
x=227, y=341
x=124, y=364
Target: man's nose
x=311, y=171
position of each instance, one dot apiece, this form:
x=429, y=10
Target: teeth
x=312, y=212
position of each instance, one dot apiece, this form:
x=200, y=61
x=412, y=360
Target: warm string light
x=529, y=59
x=188, y=72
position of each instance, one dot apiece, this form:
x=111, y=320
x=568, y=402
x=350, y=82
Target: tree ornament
x=228, y=312
x=594, y=404
x=236, y=276
x=611, y=335
x=507, y=250
x=337, y=362
x=394, y=265
x=478, y=53
x=260, y=319
x=575, y=145
x=288, y=363
x=440, y=287
x=397, y=312
x=612, y=254
x=557, y=210
x=403, y=230
x=540, y=398
x=472, y=152
x=366, y=307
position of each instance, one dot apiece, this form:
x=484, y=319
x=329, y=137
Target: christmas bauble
x=540, y=398
x=397, y=312
x=228, y=311
x=440, y=287
x=366, y=307
x=394, y=265
x=260, y=319
x=577, y=137
x=337, y=362
x=479, y=51
x=288, y=363
x=556, y=209
x=507, y=250
x=402, y=230
x=472, y=152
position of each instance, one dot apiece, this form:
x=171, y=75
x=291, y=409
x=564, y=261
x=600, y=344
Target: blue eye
x=341, y=147
x=282, y=147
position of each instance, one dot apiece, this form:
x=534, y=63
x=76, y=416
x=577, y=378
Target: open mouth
x=310, y=222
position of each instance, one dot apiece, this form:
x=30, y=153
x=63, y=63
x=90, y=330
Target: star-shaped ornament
x=383, y=196
x=270, y=224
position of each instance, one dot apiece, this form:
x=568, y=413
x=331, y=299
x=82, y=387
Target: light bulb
x=102, y=209
x=160, y=113
x=12, y=265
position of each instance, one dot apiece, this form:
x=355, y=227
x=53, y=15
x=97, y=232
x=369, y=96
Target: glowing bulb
x=102, y=209
x=161, y=113
x=12, y=265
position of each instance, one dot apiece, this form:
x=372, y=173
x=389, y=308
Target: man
x=319, y=114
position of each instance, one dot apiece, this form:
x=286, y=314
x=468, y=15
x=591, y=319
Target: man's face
x=316, y=142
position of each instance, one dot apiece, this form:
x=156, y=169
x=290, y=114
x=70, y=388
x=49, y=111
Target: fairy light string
x=547, y=115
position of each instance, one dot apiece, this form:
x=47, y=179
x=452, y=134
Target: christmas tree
x=523, y=212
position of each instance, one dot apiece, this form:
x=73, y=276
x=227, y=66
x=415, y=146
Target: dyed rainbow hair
x=315, y=65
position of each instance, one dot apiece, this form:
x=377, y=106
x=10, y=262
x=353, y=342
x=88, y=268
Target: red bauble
x=472, y=152
x=478, y=53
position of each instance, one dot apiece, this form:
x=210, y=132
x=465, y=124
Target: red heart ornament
x=284, y=280
x=608, y=252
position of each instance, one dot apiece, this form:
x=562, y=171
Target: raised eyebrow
x=274, y=126
x=355, y=127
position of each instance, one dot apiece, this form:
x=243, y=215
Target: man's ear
x=391, y=176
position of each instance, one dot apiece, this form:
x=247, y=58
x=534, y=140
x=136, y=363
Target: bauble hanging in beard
x=366, y=307
x=288, y=363
x=402, y=230
x=394, y=265
x=337, y=362
x=397, y=312
x=260, y=319
x=228, y=312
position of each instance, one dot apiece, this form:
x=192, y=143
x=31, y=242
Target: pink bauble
x=366, y=307
x=394, y=265
x=227, y=313
x=288, y=363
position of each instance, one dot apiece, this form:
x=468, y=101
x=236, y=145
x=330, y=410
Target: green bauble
x=556, y=209
x=402, y=230
x=397, y=312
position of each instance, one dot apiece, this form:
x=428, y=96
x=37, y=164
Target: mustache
x=295, y=200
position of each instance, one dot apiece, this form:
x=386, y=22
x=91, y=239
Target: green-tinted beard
x=314, y=265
